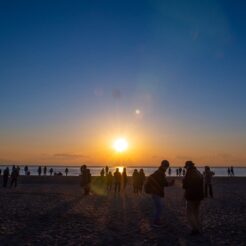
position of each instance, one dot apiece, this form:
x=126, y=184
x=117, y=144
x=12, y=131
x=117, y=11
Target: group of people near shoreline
x=197, y=186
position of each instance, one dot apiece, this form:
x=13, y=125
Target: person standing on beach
x=14, y=175
x=106, y=170
x=193, y=186
x=5, y=177
x=85, y=179
x=229, y=171
x=66, y=171
x=169, y=171
x=117, y=180
x=208, y=174
x=141, y=180
x=232, y=171
x=124, y=179
x=39, y=170
x=45, y=170
x=51, y=171
x=155, y=187
x=26, y=170
x=135, y=181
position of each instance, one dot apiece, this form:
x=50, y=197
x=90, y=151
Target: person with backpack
x=155, y=187
x=193, y=186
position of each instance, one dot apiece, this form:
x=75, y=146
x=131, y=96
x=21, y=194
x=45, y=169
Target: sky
x=168, y=76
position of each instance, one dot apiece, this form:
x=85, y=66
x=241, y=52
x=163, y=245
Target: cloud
x=69, y=156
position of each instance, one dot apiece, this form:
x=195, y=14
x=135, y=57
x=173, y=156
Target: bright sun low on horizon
x=120, y=145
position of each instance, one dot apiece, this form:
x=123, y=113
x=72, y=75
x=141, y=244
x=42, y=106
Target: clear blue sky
x=182, y=63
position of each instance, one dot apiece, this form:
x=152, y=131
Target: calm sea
x=95, y=170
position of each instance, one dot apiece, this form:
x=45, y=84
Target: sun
x=120, y=145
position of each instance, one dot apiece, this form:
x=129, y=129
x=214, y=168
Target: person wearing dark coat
x=154, y=186
x=193, y=186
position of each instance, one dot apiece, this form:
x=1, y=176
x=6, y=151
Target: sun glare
x=120, y=145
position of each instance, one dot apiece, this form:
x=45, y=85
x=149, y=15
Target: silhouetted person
x=66, y=171
x=180, y=171
x=109, y=179
x=208, y=174
x=5, y=176
x=232, y=171
x=51, y=171
x=183, y=172
x=124, y=179
x=141, y=180
x=117, y=180
x=169, y=171
x=45, y=170
x=229, y=171
x=39, y=170
x=135, y=181
x=106, y=170
x=14, y=175
x=177, y=172
x=0, y=171
x=155, y=187
x=193, y=185
x=85, y=179
x=26, y=170
x=102, y=175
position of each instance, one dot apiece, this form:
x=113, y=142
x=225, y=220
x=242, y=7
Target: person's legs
x=192, y=210
x=158, y=208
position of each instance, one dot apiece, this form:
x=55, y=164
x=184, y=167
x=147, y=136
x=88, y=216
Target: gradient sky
x=73, y=74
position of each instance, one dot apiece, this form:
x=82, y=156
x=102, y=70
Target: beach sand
x=53, y=213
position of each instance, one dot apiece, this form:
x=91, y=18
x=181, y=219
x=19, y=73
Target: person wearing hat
x=155, y=187
x=193, y=186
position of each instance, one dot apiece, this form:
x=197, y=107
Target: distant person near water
x=51, y=171
x=14, y=175
x=117, y=180
x=106, y=170
x=39, y=170
x=66, y=171
x=229, y=171
x=232, y=171
x=169, y=171
x=85, y=179
x=155, y=187
x=45, y=170
x=124, y=179
x=5, y=177
x=141, y=180
x=135, y=181
x=193, y=185
x=208, y=174
x=26, y=170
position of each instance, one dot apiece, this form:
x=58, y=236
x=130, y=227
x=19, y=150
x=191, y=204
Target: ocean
x=95, y=170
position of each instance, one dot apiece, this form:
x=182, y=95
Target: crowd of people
x=196, y=185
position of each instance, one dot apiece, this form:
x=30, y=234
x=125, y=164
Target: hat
x=189, y=164
x=165, y=164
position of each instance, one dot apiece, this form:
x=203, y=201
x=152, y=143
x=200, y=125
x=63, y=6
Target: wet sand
x=57, y=213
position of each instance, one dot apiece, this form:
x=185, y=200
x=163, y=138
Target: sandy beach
x=57, y=213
